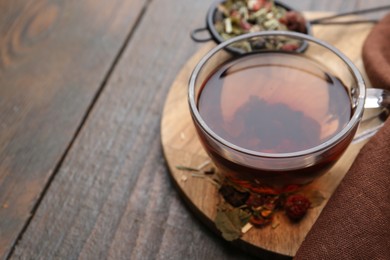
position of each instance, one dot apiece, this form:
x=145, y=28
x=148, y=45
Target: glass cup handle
x=376, y=111
x=377, y=98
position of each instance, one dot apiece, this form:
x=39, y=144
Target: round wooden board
x=181, y=147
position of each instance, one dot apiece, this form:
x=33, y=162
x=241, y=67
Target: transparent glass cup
x=279, y=169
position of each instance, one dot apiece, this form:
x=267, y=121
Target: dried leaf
x=226, y=223
x=315, y=197
x=230, y=222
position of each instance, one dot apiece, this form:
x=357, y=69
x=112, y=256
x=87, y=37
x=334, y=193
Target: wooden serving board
x=181, y=147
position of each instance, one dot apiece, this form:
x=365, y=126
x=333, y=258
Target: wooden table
x=82, y=87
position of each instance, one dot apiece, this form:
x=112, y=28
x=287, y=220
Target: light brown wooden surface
x=82, y=89
x=182, y=148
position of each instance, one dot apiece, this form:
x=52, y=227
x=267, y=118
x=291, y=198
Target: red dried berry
x=294, y=21
x=296, y=206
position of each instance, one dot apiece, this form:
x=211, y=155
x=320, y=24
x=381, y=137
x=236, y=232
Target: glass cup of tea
x=269, y=112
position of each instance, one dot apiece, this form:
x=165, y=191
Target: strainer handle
x=199, y=31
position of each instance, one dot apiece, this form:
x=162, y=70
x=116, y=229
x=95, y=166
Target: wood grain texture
x=54, y=56
x=112, y=197
x=181, y=147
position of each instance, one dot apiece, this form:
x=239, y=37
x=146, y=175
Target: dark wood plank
x=54, y=56
x=112, y=197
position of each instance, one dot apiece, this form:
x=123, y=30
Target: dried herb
x=236, y=17
x=205, y=171
x=246, y=204
x=246, y=228
x=230, y=222
x=186, y=168
x=212, y=170
x=199, y=168
x=296, y=206
x=294, y=21
x=263, y=202
x=232, y=196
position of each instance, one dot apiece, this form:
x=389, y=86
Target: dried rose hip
x=294, y=21
x=296, y=206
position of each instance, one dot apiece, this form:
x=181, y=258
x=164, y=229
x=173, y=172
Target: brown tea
x=274, y=103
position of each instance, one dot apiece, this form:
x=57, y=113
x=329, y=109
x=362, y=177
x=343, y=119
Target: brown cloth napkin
x=376, y=54
x=355, y=224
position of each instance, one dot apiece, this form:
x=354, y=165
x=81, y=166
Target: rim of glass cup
x=355, y=119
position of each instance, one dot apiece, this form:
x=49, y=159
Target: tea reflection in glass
x=275, y=117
